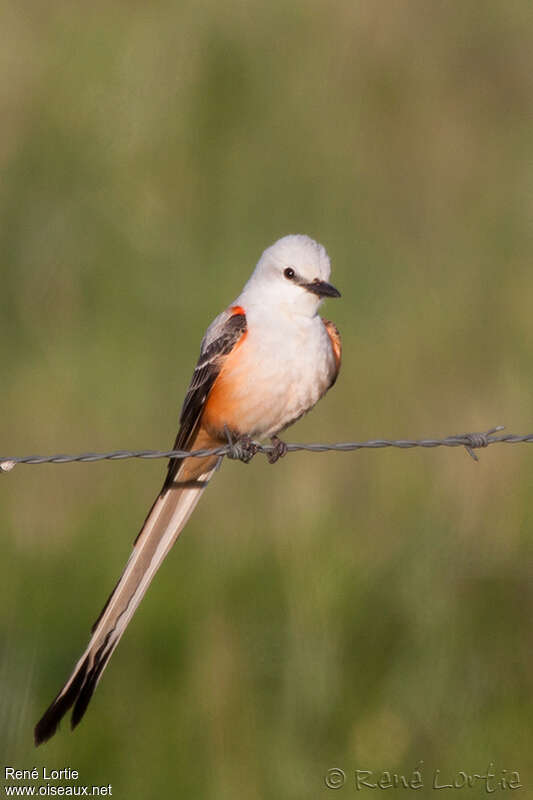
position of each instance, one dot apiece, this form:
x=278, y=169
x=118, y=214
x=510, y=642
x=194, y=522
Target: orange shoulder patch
x=335, y=339
x=237, y=310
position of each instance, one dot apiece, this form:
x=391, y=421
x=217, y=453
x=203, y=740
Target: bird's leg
x=279, y=450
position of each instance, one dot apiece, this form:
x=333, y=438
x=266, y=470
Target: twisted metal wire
x=241, y=450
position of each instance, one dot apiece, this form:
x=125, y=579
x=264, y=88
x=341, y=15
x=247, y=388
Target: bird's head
x=292, y=273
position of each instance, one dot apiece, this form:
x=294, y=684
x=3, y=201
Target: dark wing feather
x=204, y=376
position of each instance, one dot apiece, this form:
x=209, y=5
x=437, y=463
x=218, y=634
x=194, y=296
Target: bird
x=264, y=362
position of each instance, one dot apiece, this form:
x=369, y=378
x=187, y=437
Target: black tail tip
x=49, y=722
x=46, y=727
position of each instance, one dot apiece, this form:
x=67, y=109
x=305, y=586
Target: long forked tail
x=164, y=523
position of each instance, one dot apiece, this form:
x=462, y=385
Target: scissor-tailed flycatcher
x=264, y=362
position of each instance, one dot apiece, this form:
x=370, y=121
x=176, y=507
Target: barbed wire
x=245, y=449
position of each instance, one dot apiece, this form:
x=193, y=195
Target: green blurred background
x=366, y=610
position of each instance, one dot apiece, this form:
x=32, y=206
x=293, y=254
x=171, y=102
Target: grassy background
x=366, y=610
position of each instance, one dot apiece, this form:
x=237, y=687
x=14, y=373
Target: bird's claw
x=279, y=449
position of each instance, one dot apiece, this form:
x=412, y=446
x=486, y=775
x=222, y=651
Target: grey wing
x=220, y=339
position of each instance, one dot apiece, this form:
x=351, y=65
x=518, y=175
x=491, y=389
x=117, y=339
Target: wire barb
x=478, y=440
x=245, y=449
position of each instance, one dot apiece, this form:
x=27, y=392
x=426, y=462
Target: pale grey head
x=292, y=273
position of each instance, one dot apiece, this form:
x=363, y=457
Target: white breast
x=284, y=369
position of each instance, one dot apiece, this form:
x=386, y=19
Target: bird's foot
x=242, y=449
x=279, y=450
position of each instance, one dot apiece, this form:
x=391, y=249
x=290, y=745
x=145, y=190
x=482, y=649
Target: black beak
x=321, y=288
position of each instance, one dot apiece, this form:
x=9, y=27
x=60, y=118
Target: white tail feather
x=162, y=527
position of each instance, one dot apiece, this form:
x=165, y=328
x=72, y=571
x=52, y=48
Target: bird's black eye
x=289, y=273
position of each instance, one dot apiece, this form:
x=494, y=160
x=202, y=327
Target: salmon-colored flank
x=335, y=339
x=237, y=310
x=192, y=468
x=222, y=405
